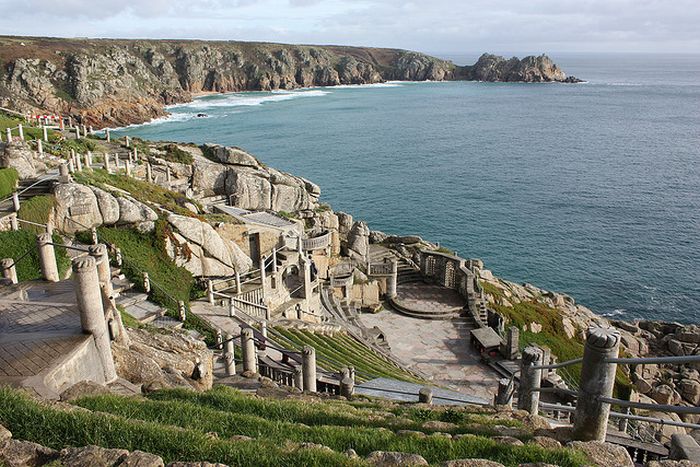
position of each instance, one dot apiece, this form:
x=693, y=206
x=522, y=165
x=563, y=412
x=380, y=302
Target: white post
x=15, y=201
x=231, y=309
x=250, y=363
x=308, y=368
x=9, y=136
x=47, y=258
x=109, y=138
x=78, y=163
x=210, y=291
x=20, y=130
x=128, y=167
x=168, y=175
x=149, y=172
x=107, y=167
x=229, y=357
x=46, y=133
x=126, y=141
x=8, y=269
x=14, y=223
x=39, y=146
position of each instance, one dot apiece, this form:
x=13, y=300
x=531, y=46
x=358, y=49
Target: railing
x=381, y=269
x=316, y=243
x=342, y=281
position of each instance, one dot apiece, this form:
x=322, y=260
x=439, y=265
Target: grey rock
x=16, y=453
x=603, y=454
x=358, y=239
x=108, y=205
x=19, y=156
x=93, y=456
x=395, y=459
x=132, y=211
x=249, y=191
x=471, y=463
x=77, y=202
x=231, y=155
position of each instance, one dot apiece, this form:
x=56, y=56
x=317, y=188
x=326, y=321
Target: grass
x=56, y=428
x=144, y=252
x=143, y=191
x=340, y=350
x=333, y=431
x=14, y=244
x=8, y=181
x=62, y=148
x=38, y=210
x=174, y=154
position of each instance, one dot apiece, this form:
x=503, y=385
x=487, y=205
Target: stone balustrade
x=317, y=243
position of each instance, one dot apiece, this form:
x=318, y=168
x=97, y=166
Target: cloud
x=435, y=25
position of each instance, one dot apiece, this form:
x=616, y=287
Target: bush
x=8, y=181
x=63, y=147
x=14, y=244
x=173, y=153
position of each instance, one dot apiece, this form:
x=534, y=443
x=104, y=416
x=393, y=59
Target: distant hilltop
x=112, y=82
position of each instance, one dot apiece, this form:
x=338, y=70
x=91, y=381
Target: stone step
x=167, y=322
x=128, y=299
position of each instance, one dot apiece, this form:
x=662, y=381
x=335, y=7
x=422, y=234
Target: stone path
x=429, y=298
x=439, y=348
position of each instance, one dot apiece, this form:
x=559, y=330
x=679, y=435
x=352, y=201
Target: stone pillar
x=528, y=394
x=126, y=142
x=505, y=393
x=238, y=283
x=127, y=164
x=263, y=277
x=250, y=363
x=182, y=311
x=15, y=201
x=298, y=379
x=307, y=278
x=63, y=173
x=597, y=380
x=8, y=269
x=88, y=159
x=104, y=272
x=109, y=137
x=117, y=165
x=108, y=168
x=229, y=356
x=47, y=258
x=77, y=132
x=168, y=174
x=78, y=162
x=93, y=235
x=14, y=222
x=308, y=368
x=149, y=172
x=210, y=291
x=9, y=135
x=231, y=309
x=392, y=280
x=219, y=339
x=20, y=130
x=71, y=166
x=347, y=387
x=263, y=329
x=39, y=147
x=425, y=396
x=92, y=319
x=146, y=283
x=84, y=129
x=46, y=133
x=546, y=360
x=513, y=343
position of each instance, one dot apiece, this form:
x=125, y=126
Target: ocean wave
x=615, y=312
x=624, y=84
x=247, y=99
x=170, y=118
x=387, y=84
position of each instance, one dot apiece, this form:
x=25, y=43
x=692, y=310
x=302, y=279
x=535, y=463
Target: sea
x=589, y=189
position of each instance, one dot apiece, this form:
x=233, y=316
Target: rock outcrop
x=117, y=82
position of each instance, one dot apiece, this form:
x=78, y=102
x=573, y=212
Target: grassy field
x=341, y=350
x=38, y=210
x=8, y=181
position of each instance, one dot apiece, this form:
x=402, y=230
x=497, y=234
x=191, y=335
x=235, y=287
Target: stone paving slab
x=429, y=298
x=436, y=348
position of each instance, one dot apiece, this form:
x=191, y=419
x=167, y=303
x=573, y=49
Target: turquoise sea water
x=590, y=189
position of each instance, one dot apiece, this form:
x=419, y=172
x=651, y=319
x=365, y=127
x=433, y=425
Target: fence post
x=425, y=396
x=298, y=379
x=149, y=172
x=15, y=201
x=20, y=130
x=505, y=393
x=597, y=380
x=231, y=308
x=104, y=272
x=9, y=135
x=47, y=258
x=530, y=378
x=210, y=291
x=109, y=137
x=14, y=222
x=93, y=235
x=229, y=357
x=182, y=311
x=146, y=283
x=347, y=386
x=118, y=257
x=46, y=133
x=513, y=343
x=250, y=363
x=39, y=147
x=392, y=280
x=92, y=318
x=127, y=165
x=308, y=368
x=8, y=270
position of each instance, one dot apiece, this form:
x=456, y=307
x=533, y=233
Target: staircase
x=406, y=273
x=31, y=187
x=146, y=312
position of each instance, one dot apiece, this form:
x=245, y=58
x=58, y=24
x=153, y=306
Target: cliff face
x=117, y=82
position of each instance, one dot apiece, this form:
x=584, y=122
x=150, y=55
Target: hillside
x=109, y=82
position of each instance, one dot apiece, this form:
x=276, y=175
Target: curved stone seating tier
x=317, y=243
x=426, y=301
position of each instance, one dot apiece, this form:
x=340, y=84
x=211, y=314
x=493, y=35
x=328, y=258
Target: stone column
x=263, y=277
x=229, y=356
x=8, y=269
x=425, y=396
x=126, y=142
x=39, y=147
x=78, y=162
x=347, y=387
x=146, y=283
x=15, y=201
x=92, y=319
x=104, y=272
x=505, y=393
x=307, y=278
x=528, y=394
x=47, y=258
x=108, y=168
x=231, y=309
x=9, y=135
x=392, y=280
x=248, y=349
x=46, y=133
x=71, y=166
x=308, y=368
x=168, y=174
x=117, y=165
x=546, y=360
x=513, y=343
x=63, y=173
x=238, y=283
x=109, y=137
x=182, y=311
x=20, y=130
x=127, y=164
x=14, y=222
x=210, y=291
x=597, y=380
x=263, y=329
x=298, y=379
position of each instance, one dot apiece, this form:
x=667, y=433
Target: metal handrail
x=555, y=366
x=655, y=360
x=645, y=406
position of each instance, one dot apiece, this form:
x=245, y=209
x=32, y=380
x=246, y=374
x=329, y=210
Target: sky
x=435, y=26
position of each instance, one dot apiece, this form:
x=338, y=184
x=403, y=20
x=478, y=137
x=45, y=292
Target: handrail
x=655, y=360
x=645, y=406
x=14, y=262
x=554, y=366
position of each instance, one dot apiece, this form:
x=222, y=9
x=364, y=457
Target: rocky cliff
x=117, y=82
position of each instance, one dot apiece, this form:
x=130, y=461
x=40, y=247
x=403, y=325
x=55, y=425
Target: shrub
x=173, y=153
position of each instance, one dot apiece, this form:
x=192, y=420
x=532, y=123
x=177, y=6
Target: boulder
x=603, y=454
x=4, y=435
x=134, y=212
x=230, y=155
x=665, y=394
x=250, y=191
x=358, y=239
x=16, y=453
x=108, y=206
x=344, y=223
x=545, y=442
x=142, y=459
x=209, y=178
x=689, y=334
x=439, y=426
x=376, y=236
x=690, y=390
x=22, y=158
x=509, y=440
x=75, y=202
x=83, y=388
x=395, y=459
x=90, y=456
x=290, y=198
